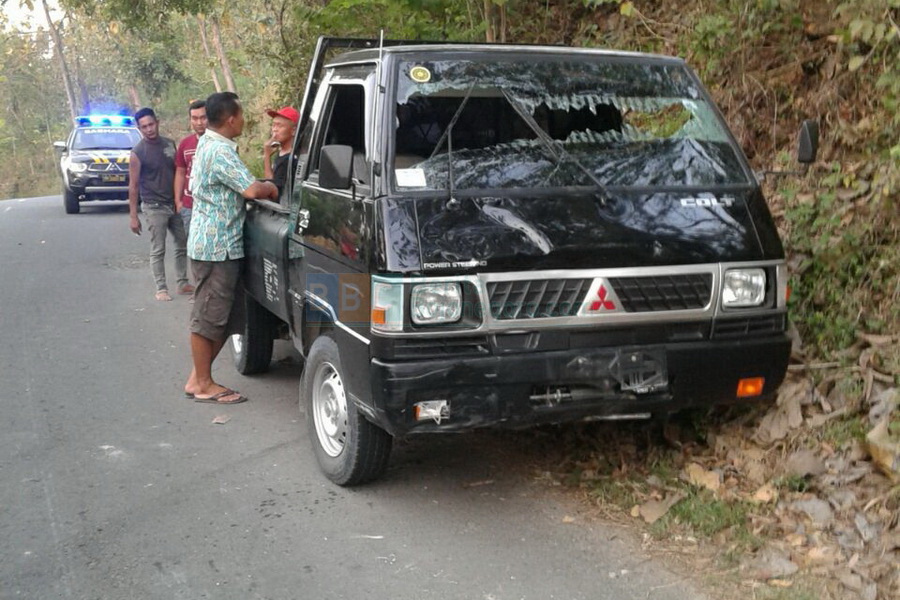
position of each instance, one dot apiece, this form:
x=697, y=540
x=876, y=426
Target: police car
x=94, y=159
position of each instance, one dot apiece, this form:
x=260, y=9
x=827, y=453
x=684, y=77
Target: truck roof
x=372, y=54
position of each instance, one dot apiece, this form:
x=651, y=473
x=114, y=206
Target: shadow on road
x=103, y=208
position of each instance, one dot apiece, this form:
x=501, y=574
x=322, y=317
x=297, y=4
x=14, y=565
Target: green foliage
x=845, y=238
x=33, y=115
x=872, y=37
x=712, y=34
x=137, y=14
x=399, y=19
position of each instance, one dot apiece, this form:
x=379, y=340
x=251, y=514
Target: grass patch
x=792, y=483
x=705, y=515
x=616, y=493
x=664, y=468
x=841, y=431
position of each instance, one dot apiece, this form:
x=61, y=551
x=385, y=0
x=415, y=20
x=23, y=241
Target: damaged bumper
x=519, y=390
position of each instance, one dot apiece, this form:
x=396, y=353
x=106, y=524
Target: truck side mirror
x=809, y=141
x=335, y=167
x=59, y=146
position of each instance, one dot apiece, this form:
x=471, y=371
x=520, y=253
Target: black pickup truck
x=498, y=235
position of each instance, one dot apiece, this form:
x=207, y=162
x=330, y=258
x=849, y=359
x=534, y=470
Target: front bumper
x=518, y=390
x=90, y=186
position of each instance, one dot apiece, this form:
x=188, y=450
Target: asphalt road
x=113, y=485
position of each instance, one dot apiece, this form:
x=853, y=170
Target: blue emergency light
x=105, y=120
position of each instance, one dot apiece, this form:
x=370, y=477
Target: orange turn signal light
x=787, y=293
x=379, y=315
x=750, y=386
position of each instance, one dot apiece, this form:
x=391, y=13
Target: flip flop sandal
x=218, y=398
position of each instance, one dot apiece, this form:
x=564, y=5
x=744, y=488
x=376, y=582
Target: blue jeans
x=186, y=217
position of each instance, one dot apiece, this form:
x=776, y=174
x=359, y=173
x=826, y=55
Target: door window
x=335, y=222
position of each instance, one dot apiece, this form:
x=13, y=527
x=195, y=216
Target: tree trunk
x=212, y=68
x=60, y=57
x=494, y=21
x=220, y=52
x=135, y=98
x=489, y=22
x=82, y=86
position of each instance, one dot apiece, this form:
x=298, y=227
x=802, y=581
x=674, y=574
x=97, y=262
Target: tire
x=70, y=201
x=252, y=349
x=350, y=450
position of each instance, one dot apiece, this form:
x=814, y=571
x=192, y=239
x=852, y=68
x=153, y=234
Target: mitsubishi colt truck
x=501, y=236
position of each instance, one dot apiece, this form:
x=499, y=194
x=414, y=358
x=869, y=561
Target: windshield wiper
x=452, y=202
x=559, y=152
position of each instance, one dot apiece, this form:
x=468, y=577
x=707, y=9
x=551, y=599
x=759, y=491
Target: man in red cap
x=284, y=123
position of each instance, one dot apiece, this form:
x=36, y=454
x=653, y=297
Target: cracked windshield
x=516, y=124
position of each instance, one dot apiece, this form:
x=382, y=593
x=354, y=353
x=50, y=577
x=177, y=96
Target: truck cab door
x=334, y=226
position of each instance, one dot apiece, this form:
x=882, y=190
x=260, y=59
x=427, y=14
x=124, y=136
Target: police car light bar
x=105, y=120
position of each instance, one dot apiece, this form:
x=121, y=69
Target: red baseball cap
x=288, y=112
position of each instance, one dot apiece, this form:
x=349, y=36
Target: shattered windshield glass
x=603, y=120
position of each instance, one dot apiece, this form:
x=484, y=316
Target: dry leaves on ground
x=815, y=471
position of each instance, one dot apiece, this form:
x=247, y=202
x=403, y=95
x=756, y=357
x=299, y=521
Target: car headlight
x=434, y=303
x=77, y=167
x=743, y=287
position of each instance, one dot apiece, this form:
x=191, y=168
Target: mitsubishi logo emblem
x=602, y=302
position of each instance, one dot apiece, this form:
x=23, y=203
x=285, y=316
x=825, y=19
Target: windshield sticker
x=420, y=74
x=410, y=177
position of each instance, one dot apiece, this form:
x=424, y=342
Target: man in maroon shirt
x=184, y=158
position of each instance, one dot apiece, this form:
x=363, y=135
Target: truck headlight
x=743, y=287
x=434, y=303
x=77, y=167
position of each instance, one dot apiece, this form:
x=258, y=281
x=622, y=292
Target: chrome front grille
x=536, y=299
x=112, y=166
x=663, y=292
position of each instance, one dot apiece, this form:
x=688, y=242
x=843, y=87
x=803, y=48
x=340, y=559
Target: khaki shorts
x=218, y=298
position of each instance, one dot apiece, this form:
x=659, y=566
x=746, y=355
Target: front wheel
x=70, y=201
x=350, y=450
x=252, y=348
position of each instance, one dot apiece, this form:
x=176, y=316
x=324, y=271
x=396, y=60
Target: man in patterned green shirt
x=220, y=184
